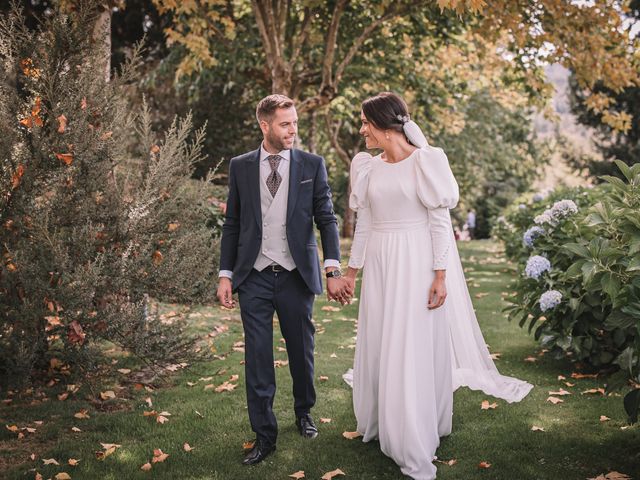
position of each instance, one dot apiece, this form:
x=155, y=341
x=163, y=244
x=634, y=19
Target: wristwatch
x=334, y=273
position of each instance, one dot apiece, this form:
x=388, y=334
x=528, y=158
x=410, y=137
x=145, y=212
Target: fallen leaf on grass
x=560, y=392
x=226, y=387
x=612, y=476
x=280, y=363
x=62, y=476
x=537, y=429
x=38, y=476
x=330, y=308
x=146, y=467
x=187, y=447
x=63, y=396
x=73, y=462
x=484, y=465
x=555, y=400
x=561, y=377
x=594, y=390
x=584, y=375
x=496, y=356
x=531, y=359
x=248, y=445
x=569, y=384
x=107, y=395
x=82, y=414
x=149, y=402
x=12, y=428
x=325, y=420
x=486, y=405
x=297, y=475
x=604, y=418
x=323, y=378
x=75, y=429
x=50, y=461
x=159, y=456
x=124, y=371
x=481, y=294
x=109, y=448
x=333, y=473
x=451, y=462
x=351, y=435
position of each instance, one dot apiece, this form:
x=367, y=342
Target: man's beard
x=276, y=142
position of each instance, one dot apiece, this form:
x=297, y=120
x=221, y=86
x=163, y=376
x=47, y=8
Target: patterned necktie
x=274, y=178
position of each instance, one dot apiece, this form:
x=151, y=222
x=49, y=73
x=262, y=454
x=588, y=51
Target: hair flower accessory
x=403, y=118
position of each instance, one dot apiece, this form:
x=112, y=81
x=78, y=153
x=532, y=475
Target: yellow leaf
x=297, y=475
x=50, y=461
x=604, y=418
x=73, y=462
x=325, y=420
x=108, y=394
x=146, y=467
x=159, y=456
x=537, y=429
x=323, y=378
x=594, y=390
x=555, y=400
x=75, y=429
x=12, y=428
x=484, y=465
x=124, y=371
x=82, y=414
x=62, y=476
x=187, y=447
x=351, y=435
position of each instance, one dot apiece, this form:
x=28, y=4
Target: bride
x=418, y=338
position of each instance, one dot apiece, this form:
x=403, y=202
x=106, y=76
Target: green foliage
x=595, y=265
x=97, y=212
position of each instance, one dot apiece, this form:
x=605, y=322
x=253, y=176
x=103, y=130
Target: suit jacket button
x=284, y=250
x=284, y=238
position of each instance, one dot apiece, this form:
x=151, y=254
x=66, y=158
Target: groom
x=269, y=256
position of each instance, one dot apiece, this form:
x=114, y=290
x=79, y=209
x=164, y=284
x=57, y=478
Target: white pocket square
x=306, y=181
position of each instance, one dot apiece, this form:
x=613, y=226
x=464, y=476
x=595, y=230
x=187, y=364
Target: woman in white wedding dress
x=418, y=338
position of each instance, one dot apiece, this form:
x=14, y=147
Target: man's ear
x=264, y=126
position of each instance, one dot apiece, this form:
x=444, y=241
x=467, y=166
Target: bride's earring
x=386, y=134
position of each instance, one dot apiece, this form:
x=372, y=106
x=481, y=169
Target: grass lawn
x=575, y=443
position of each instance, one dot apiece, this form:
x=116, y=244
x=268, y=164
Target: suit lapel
x=295, y=175
x=253, y=179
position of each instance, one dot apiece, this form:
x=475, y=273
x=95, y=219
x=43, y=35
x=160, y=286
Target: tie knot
x=274, y=161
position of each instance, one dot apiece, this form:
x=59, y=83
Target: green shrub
x=592, y=245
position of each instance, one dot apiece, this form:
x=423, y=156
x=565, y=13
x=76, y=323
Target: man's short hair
x=268, y=105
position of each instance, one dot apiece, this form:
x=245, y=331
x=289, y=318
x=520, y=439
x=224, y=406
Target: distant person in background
x=471, y=224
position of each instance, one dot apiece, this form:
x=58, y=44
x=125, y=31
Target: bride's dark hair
x=385, y=111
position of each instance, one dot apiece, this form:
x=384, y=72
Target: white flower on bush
x=563, y=208
x=550, y=299
x=544, y=217
x=560, y=210
x=522, y=206
x=531, y=234
x=536, y=266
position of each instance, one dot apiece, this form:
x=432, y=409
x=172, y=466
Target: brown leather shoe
x=306, y=427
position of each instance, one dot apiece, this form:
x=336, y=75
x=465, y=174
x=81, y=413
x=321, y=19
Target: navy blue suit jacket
x=309, y=200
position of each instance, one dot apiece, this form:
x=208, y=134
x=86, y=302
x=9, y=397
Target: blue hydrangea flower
x=522, y=206
x=544, y=217
x=550, y=299
x=536, y=266
x=538, y=197
x=531, y=234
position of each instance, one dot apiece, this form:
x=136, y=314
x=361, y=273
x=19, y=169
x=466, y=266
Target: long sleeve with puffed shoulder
x=438, y=192
x=359, y=203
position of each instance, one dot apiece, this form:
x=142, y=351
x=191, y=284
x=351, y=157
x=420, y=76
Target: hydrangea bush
x=578, y=288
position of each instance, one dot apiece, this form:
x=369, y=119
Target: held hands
x=340, y=289
x=438, y=291
x=225, y=294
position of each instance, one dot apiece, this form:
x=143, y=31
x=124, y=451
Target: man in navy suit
x=269, y=256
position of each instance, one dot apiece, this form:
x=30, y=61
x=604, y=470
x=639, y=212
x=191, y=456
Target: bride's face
x=370, y=133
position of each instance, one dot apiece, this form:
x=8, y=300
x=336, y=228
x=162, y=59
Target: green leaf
x=619, y=320
x=578, y=249
x=610, y=284
x=624, y=168
x=594, y=219
x=634, y=264
x=632, y=404
x=589, y=269
x=625, y=360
